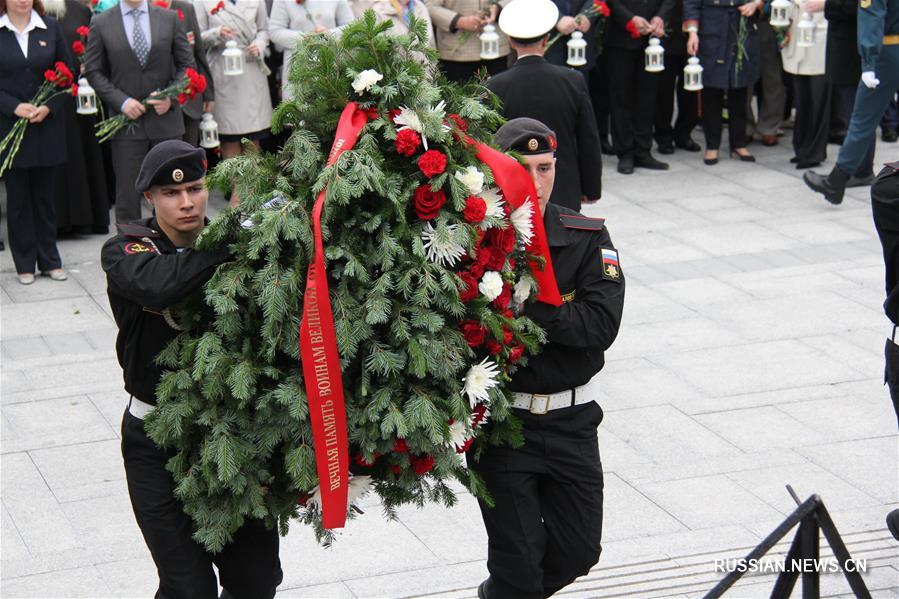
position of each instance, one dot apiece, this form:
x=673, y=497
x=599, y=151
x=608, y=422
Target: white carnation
x=440, y=246
x=491, y=285
x=472, y=178
x=522, y=290
x=479, y=380
x=365, y=80
x=521, y=220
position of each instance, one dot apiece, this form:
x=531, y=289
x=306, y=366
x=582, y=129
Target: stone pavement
x=751, y=356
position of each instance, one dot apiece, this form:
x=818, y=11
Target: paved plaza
x=750, y=357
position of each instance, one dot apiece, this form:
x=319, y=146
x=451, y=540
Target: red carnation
x=631, y=28
x=422, y=465
x=180, y=15
x=77, y=47
x=50, y=75
x=460, y=123
x=400, y=446
x=494, y=348
x=515, y=353
x=396, y=469
x=161, y=4
x=95, y=2
x=392, y=114
x=507, y=334
x=428, y=203
x=601, y=8
x=497, y=258
x=360, y=460
x=182, y=99
x=407, y=142
x=501, y=303
x=473, y=332
x=74, y=89
x=65, y=75
x=475, y=209
x=470, y=291
x=477, y=269
x=432, y=163
x=83, y=31
x=217, y=7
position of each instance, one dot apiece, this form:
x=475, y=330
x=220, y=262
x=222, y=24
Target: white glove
x=870, y=79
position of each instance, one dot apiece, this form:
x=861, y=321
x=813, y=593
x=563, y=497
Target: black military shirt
x=146, y=276
x=585, y=325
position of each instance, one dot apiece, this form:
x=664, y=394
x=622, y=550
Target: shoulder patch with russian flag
x=611, y=268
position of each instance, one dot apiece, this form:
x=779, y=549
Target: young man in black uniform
x=150, y=268
x=885, y=209
x=546, y=526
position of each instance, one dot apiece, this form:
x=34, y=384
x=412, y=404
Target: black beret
x=170, y=163
x=526, y=136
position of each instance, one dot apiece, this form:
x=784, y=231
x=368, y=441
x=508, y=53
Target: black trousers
x=671, y=84
x=191, y=130
x=31, y=218
x=712, y=105
x=891, y=374
x=249, y=567
x=127, y=156
x=633, y=101
x=812, y=127
x=462, y=72
x=598, y=83
x=546, y=526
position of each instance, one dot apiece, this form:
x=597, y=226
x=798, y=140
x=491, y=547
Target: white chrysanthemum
x=359, y=487
x=479, y=380
x=494, y=203
x=521, y=220
x=365, y=80
x=522, y=290
x=440, y=247
x=491, y=285
x=472, y=178
x=458, y=434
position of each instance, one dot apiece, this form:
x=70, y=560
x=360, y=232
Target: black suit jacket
x=616, y=35
x=44, y=143
x=557, y=97
x=115, y=73
x=843, y=65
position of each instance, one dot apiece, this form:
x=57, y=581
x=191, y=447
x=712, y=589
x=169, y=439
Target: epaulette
x=582, y=223
x=129, y=230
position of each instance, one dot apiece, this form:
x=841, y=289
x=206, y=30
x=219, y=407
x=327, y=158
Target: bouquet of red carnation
x=78, y=46
x=58, y=80
x=186, y=89
x=599, y=9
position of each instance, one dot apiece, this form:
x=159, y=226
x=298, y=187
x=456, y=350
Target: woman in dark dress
x=30, y=44
x=716, y=29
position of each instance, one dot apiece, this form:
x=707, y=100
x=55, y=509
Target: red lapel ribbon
x=318, y=341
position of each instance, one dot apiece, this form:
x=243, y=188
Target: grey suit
x=114, y=71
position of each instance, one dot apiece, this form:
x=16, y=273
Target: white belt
x=539, y=403
x=139, y=409
x=894, y=336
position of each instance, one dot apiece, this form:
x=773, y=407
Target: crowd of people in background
x=756, y=77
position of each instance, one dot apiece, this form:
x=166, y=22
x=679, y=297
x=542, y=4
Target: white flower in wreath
x=440, y=247
x=409, y=119
x=479, y=380
x=472, y=178
x=458, y=434
x=365, y=80
x=522, y=290
x=491, y=285
x=521, y=219
x=494, y=203
x=359, y=488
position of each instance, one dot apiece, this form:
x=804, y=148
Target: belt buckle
x=544, y=398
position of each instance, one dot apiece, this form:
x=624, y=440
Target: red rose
x=400, y=446
x=182, y=99
x=74, y=89
x=473, y=332
x=428, y=203
x=470, y=290
x=460, y=123
x=396, y=469
x=501, y=303
x=432, y=163
x=77, y=47
x=631, y=28
x=422, y=465
x=494, y=348
x=180, y=15
x=515, y=353
x=475, y=209
x=407, y=142
x=83, y=31
x=50, y=75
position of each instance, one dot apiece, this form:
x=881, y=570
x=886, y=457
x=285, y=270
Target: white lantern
x=655, y=56
x=805, y=32
x=233, y=59
x=693, y=75
x=489, y=43
x=209, y=132
x=87, y=99
x=780, y=13
x=577, y=50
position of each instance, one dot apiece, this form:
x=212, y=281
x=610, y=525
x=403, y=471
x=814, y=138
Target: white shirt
x=22, y=36
x=143, y=22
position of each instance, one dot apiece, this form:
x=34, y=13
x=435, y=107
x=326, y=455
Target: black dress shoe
x=889, y=135
x=626, y=165
x=651, y=163
x=831, y=186
x=606, y=147
x=893, y=523
x=803, y=165
x=742, y=157
x=794, y=160
x=711, y=161
x=687, y=144
x=860, y=181
x=482, y=590
x=666, y=148
x=2, y=245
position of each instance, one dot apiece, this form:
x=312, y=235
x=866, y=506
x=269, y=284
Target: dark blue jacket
x=719, y=25
x=876, y=18
x=44, y=143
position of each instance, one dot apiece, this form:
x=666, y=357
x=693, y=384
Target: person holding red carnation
x=32, y=44
x=545, y=527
